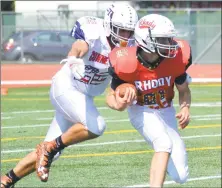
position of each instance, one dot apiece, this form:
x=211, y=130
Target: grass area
x=125, y=160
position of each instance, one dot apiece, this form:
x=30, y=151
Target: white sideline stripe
x=25, y=82
x=110, y=143
x=172, y=182
x=211, y=104
x=204, y=80
x=48, y=82
x=108, y=120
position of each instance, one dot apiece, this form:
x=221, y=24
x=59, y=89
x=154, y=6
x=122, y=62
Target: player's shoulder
x=124, y=61
x=184, y=49
x=90, y=21
x=90, y=25
x=183, y=57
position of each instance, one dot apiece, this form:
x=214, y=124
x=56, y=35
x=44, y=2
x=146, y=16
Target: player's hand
x=183, y=117
x=76, y=65
x=129, y=98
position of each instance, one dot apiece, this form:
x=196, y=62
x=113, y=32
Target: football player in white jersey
x=83, y=76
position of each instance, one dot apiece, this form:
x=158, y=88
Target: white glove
x=76, y=65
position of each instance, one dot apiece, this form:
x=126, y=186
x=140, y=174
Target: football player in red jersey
x=154, y=66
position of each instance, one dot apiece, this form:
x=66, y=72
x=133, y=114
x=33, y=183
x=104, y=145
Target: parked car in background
x=37, y=45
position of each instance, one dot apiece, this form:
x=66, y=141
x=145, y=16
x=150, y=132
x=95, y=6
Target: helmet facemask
x=165, y=46
x=116, y=36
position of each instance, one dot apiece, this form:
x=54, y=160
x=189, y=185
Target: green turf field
x=120, y=157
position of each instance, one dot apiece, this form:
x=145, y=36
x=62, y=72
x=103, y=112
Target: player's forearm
x=185, y=98
x=79, y=49
x=111, y=101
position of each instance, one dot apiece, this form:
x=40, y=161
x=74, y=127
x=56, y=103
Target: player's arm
x=80, y=32
x=79, y=48
x=111, y=99
x=182, y=85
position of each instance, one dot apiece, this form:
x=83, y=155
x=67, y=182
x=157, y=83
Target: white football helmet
x=154, y=34
x=120, y=17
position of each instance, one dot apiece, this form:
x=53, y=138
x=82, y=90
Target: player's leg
x=150, y=125
x=177, y=166
x=27, y=165
x=76, y=107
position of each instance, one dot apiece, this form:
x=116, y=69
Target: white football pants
x=71, y=107
x=159, y=128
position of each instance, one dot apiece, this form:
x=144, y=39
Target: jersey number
x=93, y=76
x=156, y=99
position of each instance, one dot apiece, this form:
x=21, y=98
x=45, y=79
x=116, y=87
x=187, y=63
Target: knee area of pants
x=181, y=177
x=163, y=144
x=97, y=128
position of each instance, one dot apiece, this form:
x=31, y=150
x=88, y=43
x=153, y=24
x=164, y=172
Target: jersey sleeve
x=183, y=59
x=116, y=82
x=85, y=29
x=189, y=61
x=181, y=79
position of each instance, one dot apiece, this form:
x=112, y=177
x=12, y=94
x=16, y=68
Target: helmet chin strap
x=147, y=64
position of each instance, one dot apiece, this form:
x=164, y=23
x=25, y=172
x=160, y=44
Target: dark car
x=38, y=45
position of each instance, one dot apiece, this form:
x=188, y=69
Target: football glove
x=76, y=65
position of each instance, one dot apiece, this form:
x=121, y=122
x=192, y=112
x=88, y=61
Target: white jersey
x=97, y=78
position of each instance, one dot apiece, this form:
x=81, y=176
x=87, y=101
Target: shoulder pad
x=89, y=20
x=185, y=51
x=124, y=62
x=87, y=28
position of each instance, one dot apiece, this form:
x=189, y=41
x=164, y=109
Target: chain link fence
x=201, y=27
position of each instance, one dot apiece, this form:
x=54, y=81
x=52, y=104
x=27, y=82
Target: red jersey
x=155, y=87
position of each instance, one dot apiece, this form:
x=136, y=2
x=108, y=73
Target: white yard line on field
x=172, y=182
x=111, y=143
x=7, y=117
x=50, y=118
x=108, y=120
x=40, y=111
x=197, y=117
x=210, y=104
x=24, y=126
x=205, y=119
x=209, y=115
